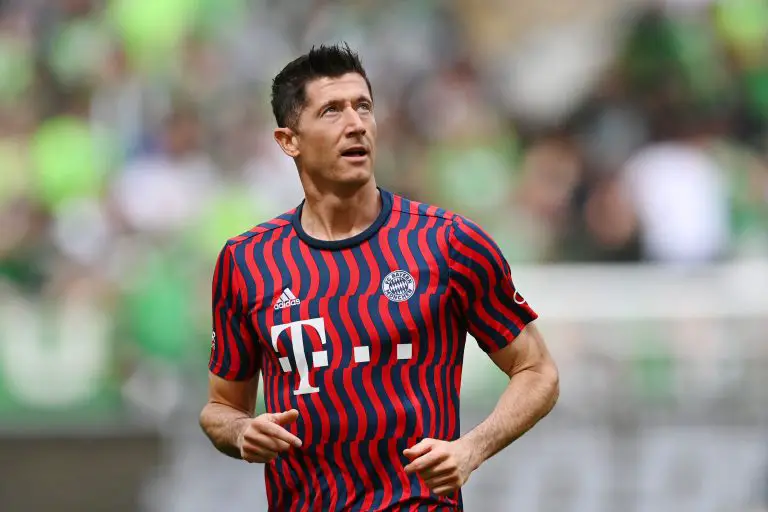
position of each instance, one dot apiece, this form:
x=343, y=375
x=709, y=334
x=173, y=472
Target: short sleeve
x=233, y=347
x=486, y=299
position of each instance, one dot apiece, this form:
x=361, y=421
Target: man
x=355, y=307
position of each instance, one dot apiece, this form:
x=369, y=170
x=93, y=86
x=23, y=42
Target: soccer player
x=354, y=307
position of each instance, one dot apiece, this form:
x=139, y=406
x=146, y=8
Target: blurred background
x=617, y=150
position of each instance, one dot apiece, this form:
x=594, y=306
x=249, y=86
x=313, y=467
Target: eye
x=365, y=106
x=331, y=109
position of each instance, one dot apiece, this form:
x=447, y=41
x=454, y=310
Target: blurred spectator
x=164, y=191
x=136, y=136
x=539, y=212
x=680, y=195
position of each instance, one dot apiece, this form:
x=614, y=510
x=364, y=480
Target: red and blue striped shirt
x=365, y=338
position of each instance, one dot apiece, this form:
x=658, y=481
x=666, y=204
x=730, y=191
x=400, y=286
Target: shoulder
x=410, y=207
x=458, y=226
x=263, y=232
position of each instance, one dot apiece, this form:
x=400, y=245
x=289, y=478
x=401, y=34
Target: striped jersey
x=365, y=338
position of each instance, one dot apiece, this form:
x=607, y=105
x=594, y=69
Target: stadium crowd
x=135, y=137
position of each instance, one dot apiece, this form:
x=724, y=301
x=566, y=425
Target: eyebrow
x=336, y=101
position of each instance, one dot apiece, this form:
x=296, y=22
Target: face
x=334, y=141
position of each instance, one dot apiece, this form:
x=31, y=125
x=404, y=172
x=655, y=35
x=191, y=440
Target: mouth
x=355, y=153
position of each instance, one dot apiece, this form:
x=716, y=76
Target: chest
x=347, y=309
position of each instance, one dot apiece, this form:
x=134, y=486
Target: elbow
x=551, y=383
x=204, y=420
x=201, y=420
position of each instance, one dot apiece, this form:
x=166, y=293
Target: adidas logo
x=286, y=300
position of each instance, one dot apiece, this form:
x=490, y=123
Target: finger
x=441, y=481
x=264, y=441
x=262, y=430
x=445, y=490
x=276, y=431
x=424, y=462
x=280, y=445
x=266, y=455
x=419, y=448
x=443, y=468
x=285, y=418
x=258, y=454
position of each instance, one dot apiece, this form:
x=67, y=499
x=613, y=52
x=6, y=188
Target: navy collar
x=331, y=245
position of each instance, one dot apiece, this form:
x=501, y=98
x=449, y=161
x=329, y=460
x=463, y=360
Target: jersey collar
x=386, y=209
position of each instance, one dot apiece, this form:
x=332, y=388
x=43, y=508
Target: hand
x=443, y=465
x=264, y=436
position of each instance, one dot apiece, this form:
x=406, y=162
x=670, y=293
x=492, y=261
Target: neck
x=337, y=213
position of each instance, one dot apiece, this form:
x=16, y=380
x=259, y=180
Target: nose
x=354, y=123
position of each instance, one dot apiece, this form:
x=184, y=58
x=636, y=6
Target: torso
x=360, y=338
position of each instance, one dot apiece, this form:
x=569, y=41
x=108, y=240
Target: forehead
x=348, y=86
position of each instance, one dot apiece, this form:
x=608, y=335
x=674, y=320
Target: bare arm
x=227, y=419
x=532, y=392
x=481, y=283
x=230, y=406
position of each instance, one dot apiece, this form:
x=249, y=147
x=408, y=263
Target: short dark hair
x=289, y=86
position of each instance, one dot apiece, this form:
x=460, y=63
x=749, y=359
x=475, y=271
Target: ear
x=288, y=141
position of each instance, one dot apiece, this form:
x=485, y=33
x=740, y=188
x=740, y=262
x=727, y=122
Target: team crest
x=398, y=286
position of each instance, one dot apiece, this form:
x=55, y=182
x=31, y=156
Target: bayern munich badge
x=398, y=286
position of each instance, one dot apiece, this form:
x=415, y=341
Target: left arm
x=532, y=392
x=501, y=321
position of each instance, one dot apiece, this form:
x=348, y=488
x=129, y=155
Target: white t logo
x=319, y=358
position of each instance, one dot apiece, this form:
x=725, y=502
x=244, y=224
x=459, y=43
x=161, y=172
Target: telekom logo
x=319, y=357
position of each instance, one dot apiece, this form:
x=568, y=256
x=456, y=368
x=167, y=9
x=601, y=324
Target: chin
x=358, y=175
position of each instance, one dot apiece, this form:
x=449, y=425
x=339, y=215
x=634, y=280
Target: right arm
x=227, y=419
